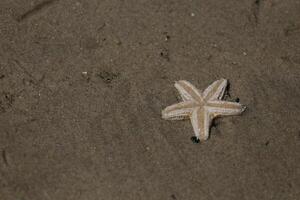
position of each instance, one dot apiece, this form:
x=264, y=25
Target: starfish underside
x=201, y=108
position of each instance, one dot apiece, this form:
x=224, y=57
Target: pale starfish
x=201, y=108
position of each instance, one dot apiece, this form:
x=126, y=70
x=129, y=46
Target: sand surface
x=83, y=83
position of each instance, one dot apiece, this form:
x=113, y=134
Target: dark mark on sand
x=167, y=36
x=6, y=101
x=9, y=98
x=209, y=57
x=4, y=157
x=108, y=77
x=255, y=10
x=164, y=77
x=101, y=27
x=35, y=10
x=267, y=143
x=165, y=54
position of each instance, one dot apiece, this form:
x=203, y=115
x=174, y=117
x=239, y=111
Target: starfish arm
x=188, y=91
x=179, y=110
x=201, y=122
x=215, y=91
x=219, y=108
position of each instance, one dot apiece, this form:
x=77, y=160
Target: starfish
x=203, y=107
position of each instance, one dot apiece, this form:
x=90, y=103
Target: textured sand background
x=65, y=134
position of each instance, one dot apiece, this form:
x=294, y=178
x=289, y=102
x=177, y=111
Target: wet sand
x=83, y=83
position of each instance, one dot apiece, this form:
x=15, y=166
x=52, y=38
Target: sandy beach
x=83, y=84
